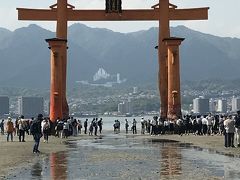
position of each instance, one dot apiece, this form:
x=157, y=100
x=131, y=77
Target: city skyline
x=218, y=23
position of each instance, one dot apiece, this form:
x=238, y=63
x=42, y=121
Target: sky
x=223, y=15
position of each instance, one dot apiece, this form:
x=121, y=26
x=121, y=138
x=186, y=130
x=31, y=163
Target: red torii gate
x=62, y=12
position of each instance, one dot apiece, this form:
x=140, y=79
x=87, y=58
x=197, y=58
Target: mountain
x=25, y=57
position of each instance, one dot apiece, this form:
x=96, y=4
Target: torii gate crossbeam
x=100, y=15
x=62, y=12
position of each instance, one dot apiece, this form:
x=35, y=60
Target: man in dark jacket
x=35, y=129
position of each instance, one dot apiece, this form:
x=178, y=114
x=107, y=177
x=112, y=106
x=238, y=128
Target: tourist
x=180, y=126
x=153, y=125
x=199, y=125
x=45, y=129
x=9, y=129
x=161, y=126
x=17, y=126
x=65, y=129
x=100, y=123
x=85, y=126
x=194, y=125
x=79, y=126
x=166, y=126
x=204, y=125
x=237, y=128
x=187, y=124
x=2, y=127
x=216, y=124
x=91, y=129
x=134, y=126
x=229, y=132
x=21, y=127
x=148, y=126
x=209, y=124
x=59, y=128
x=70, y=126
x=74, y=127
x=116, y=126
x=126, y=125
x=35, y=130
x=221, y=129
x=95, y=125
x=143, y=126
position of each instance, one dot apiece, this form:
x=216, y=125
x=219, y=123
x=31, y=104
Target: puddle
x=118, y=157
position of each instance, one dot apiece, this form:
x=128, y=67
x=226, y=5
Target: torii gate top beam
x=100, y=15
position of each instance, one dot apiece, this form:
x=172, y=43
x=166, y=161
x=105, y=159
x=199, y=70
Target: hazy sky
x=223, y=15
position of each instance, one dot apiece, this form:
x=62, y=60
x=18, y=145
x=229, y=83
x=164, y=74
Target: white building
x=118, y=78
x=222, y=106
x=201, y=105
x=235, y=104
x=212, y=105
x=101, y=74
x=30, y=106
x=4, y=105
x=135, y=90
x=125, y=107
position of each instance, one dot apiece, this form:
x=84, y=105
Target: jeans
x=11, y=134
x=36, y=138
x=21, y=135
x=229, y=139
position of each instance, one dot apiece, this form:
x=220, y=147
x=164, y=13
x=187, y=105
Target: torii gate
x=62, y=12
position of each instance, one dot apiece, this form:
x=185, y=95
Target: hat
x=9, y=118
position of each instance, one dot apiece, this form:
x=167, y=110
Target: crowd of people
x=73, y=127
x=37, y=127
x=199, y=125
x=206, y=125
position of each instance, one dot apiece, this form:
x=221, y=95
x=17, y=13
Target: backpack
x=237, y=122
x=94, y=123
x=34, y=128
x=60, y=126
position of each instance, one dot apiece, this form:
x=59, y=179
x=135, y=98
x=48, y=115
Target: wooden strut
x=163, y=12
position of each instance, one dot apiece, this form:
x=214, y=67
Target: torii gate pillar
x=174, y=94
x=164, y=32
x=61, y=33
x=58, y=48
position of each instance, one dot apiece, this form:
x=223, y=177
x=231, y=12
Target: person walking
x=35, y=130
x=237, y=128
x=10, y=129
x=45, y=129
x=21, y=126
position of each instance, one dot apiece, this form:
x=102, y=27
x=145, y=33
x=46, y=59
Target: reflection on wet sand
x=58, y=166
x=170, y=161
x=132, y=158
x=36, y=170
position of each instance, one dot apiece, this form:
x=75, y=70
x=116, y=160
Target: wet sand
x=19, y=154
x=214, y=143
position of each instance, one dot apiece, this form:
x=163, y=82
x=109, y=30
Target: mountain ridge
x=24, y=51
